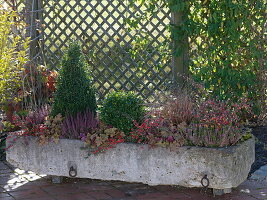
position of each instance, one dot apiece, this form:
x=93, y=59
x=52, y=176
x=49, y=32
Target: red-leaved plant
x=31, y=125
x=156, y=131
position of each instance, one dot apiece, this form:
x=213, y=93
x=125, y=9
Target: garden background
x=142, y=46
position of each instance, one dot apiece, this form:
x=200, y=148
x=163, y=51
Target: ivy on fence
x=227, y=44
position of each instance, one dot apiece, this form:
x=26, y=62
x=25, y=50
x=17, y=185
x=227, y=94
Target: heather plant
x=178, y=109
x=215, y=124
x=74, y=127
x=208, y=135
x=33, y=122
x=38, y=116
x=120, y=109
x=27, y=127
x=74, y=92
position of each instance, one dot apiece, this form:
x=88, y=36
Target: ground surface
x=20, y=185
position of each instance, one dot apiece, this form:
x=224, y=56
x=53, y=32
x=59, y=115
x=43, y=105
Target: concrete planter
x=224, y=168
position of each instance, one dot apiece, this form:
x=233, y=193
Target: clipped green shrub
x=120, y=109
x=74, y=92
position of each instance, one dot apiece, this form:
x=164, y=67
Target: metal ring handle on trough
x=72, y=172
x=205, y=178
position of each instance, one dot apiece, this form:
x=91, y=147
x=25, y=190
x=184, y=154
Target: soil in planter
x=260, y=134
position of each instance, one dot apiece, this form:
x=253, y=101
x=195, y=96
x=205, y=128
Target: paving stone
x=61, y=189
x=91, y=187
x=80, y=196
x=260, y=172
x=116, y=193
x=2, y=189
x=3, y=166
x=43, y=198
x=264, y=168
x=257, y=177
x=259, y=194
x=252, y=185
x=156, y=195
x=7, y=198
x=177, y=195
x=195, y=194
x=5, y=195
x=99, y=195
x=4, y=179
x=6, y=171
x=29, y=194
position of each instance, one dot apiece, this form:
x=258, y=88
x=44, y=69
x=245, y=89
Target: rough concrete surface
x=224, y=167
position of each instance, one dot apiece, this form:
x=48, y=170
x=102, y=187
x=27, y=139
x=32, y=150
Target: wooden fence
x=120, y=56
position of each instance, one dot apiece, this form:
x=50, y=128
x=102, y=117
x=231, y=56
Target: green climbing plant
x=227, y=49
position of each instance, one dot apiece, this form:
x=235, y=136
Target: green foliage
x=74, y=92
x=12, y=56
x=8, y=126
x=227, y=49
x=226, y=59
x=120, y=109
x=246, y=136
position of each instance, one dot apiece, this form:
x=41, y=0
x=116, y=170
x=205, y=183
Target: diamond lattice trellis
x=115, y=59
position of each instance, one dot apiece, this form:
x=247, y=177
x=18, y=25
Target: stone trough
x=218, y=168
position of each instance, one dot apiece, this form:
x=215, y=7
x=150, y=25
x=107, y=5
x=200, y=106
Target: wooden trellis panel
x=115, y=60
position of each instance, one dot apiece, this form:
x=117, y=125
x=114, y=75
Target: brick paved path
x=17, y=184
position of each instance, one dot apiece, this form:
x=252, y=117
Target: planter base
x=218, y=192
x=57, y=179
x=224, y=167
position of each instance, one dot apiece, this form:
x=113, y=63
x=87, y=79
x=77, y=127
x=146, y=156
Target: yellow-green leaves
x=13, y=56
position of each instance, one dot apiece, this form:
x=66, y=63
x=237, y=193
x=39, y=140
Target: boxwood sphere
x=120, y=109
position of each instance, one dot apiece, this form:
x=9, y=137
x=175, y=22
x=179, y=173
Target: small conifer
x=74, y=91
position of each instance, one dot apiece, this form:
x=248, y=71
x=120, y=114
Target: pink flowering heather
x=75, y=127
x=215, y=124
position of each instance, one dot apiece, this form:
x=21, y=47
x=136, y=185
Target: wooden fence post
x=40, y=28
x=32, y=8
x=180, y=64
